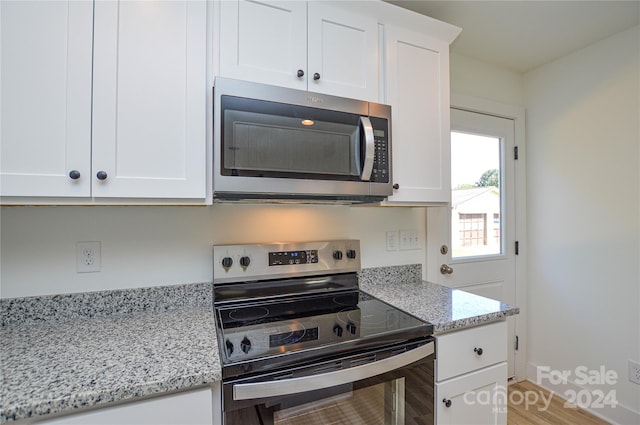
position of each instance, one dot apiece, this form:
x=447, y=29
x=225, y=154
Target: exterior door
x=479, y=230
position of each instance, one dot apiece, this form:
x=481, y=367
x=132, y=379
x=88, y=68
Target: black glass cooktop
x=303, y=326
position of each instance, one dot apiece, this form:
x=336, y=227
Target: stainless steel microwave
x=278, y=144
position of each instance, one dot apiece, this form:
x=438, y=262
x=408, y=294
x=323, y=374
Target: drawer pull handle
x=478, y=351
x=447, y=402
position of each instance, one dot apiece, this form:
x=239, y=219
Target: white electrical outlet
x=392, y=241
x=634, y=372
x=88, y=257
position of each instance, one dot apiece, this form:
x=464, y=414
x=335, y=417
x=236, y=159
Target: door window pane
x=475, y=198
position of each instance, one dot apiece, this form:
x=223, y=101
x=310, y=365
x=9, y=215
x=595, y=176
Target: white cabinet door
x=478, y=398
x=187, y=408
x=149, y=99
x=343, y=51
x=264, y=41
x=417, y=84
x=45, y=127
x=287, y=43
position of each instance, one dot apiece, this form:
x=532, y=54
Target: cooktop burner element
x=293, y=303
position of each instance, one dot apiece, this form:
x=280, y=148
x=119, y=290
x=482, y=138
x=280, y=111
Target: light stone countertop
x=66, y=352
x=58, y=358
x=446, y=308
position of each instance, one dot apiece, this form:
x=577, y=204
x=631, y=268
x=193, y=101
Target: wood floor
x=536, y=414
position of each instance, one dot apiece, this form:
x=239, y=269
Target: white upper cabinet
x=149, y=99
x=45, y=127
x=417, y=87
x=265, y=42
x=324, y=47
x=103, y=104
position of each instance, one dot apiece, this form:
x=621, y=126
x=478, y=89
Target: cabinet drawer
x=478, y=398
x=463, y=351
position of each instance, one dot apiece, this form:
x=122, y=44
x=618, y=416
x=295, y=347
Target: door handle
x=445, y=269
x=369, y=148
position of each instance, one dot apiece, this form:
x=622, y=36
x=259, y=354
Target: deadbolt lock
x=444, y=249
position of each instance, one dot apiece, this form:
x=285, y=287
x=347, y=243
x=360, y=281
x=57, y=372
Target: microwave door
x=369, y=148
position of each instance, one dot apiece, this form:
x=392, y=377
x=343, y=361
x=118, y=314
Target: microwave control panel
x=380, y=172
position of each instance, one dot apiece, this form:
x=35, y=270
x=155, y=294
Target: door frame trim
x=517, y=114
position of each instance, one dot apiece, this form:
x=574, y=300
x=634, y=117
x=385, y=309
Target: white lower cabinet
x=475, y=398
x=194, y=407
x=471, y=376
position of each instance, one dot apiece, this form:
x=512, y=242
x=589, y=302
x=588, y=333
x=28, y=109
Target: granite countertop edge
x=106, y=397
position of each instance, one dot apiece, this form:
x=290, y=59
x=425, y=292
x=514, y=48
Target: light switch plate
x=392, y=240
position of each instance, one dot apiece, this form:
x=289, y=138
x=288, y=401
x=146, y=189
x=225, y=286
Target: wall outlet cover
x=88, y=257
x=634, y=372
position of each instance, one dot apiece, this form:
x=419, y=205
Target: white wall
x=152, y=246
x=472, y=77
x=583, y=189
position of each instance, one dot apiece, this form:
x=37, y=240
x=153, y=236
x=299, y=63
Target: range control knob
x=351, y=253
x=337, y=255
x=351, y=327
x=245, y=261
x=229, y=346
x=337, y=330
x=227, y=262
x=245, y=345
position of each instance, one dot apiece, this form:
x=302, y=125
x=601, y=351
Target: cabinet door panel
x=193, y=407
x=150, y=99
x=417, y=75
x=264, y=41
x=343, y=50
x=46, y=97
x=478, y=398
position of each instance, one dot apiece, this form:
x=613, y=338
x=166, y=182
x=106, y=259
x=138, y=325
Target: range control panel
x=239, y=263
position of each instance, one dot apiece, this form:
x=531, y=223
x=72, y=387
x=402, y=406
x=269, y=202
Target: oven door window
x=268, y=139
x=403, y=396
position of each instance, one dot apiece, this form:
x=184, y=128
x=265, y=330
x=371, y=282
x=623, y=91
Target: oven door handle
x=282, y=387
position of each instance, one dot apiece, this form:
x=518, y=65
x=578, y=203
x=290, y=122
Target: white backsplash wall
x=152, y=246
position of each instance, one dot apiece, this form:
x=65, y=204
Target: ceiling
x=522, y=35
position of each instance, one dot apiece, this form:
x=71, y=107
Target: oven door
x=394, y=385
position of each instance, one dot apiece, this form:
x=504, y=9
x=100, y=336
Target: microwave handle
x=369, y=148
x=315, y=382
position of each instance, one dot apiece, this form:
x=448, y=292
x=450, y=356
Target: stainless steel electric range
x=301, y=344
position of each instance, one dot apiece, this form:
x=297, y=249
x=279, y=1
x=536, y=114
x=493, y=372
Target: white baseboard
x=618, y=415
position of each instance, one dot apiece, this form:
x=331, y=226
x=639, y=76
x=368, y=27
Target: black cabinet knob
x=446, y=402
x=101, y=175
x=316, y=76
x=300, y=73
x=396, y=186
x=478, y=351
x=227, y=262
x=74, y=174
